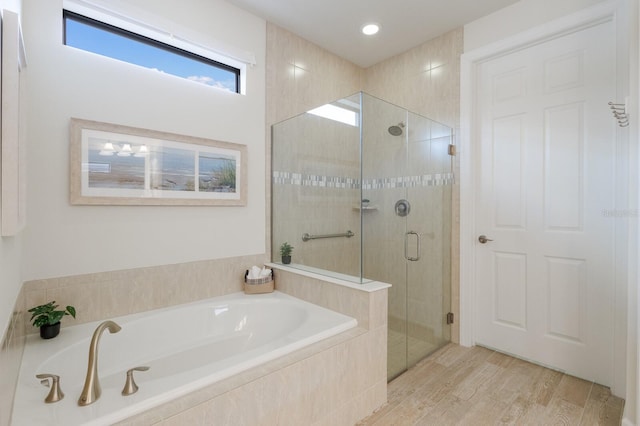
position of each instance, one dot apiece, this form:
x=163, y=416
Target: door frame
x=470, y=61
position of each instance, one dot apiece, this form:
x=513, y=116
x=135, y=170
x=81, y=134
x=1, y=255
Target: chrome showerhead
x=396, y=130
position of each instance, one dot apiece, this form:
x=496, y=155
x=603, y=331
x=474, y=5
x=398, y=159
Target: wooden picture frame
x=112, y=164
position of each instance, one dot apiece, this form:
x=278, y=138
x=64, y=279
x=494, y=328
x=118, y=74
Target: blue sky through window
x=97, y=40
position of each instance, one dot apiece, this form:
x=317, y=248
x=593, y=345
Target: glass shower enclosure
x=361, y=188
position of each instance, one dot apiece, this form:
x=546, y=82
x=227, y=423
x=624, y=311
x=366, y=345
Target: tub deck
x=195, y=346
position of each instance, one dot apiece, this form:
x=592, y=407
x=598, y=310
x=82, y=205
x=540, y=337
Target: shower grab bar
x=306, y=236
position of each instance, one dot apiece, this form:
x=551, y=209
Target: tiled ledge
x=334, y=278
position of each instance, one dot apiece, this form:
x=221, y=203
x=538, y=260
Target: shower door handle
x=406, y=246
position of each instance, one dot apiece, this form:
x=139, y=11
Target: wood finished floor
x=478, y=386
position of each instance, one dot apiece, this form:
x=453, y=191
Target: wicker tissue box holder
x=258, y=285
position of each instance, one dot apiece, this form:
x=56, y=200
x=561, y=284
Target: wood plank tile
x=561, y=412
x=451, y=354
x=484, y=411
x=546, y=386
x=475, y=383
x=573, y=390
x=500, y=359
x=478, y=386
x=601, y=408
x=533, y=416
x=404, y=386
x=428, y=396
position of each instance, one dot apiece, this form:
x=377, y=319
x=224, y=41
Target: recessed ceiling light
x=370, y=29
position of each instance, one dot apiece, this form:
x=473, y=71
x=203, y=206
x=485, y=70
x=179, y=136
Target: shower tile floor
x=478, y=386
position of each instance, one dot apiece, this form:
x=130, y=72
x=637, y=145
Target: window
x=336, y=113
x=104, y=39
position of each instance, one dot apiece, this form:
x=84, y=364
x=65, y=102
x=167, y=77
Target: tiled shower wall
x=316, y=179
x=302, y=76
x=424, y=80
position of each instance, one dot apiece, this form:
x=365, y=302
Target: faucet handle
x=55, y=394
x=130, y=386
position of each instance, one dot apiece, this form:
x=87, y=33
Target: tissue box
x=258, y=285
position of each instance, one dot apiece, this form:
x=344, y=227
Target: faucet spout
x=91, y=390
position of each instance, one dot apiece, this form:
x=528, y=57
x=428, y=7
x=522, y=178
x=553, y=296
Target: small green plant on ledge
x=48, y=318
x=285, y=252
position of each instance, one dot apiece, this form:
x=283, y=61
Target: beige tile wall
x=425, y=79
x=111, y=294
x=302, y=76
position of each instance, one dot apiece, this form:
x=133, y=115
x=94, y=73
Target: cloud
x=211, y=82
x=201, y=79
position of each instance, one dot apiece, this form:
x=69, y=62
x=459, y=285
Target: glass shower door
x=407, y=226
x=427, y=237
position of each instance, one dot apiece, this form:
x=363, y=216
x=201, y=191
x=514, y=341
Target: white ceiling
x=335, y=24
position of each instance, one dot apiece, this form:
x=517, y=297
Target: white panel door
x=545, y=175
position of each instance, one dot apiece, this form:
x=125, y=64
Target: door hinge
x=452, y=149
x=450, y=318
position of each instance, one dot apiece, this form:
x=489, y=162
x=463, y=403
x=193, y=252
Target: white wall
x=10, y=247
x=518, y=17
x=63, y=82
x=632, y=403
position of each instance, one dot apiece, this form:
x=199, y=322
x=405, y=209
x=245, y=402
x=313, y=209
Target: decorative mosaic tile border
x=437, y=179
x=288, y=178
x=299, y=179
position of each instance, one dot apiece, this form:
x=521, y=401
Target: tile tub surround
x=337, y=381
x=108, y=294
x=350, y=384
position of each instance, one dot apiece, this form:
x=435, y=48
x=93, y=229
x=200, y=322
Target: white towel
x=265, y=272
x=254, y=273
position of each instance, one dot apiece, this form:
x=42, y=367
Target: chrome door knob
x=483, y=239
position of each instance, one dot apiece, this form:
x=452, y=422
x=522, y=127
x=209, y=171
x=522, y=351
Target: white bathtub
x=187, y=347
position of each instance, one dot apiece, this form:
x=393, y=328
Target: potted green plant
x=48, y=318
x=285, y=252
